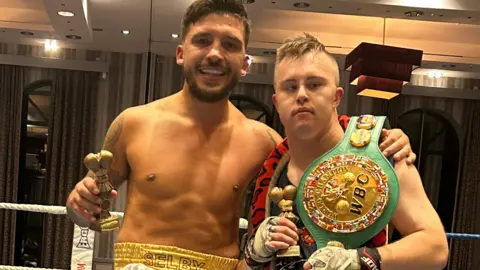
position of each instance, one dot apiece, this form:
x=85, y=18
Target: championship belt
x=349, y=194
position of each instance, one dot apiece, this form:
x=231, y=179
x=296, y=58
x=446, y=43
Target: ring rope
x=50, y=209
x=9, y=267
x=62, y=210
x=463, y=235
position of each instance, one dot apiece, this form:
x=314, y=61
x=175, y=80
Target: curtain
x=71, y=136
x=11, y=93
x=464, y=252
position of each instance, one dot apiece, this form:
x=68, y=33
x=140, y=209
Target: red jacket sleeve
x=344, y=120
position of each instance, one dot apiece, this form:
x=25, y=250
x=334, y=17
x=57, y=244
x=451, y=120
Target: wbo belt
x=350, y=193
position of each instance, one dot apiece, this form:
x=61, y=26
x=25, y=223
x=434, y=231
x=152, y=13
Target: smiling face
x=213, y=56
x=306, y=93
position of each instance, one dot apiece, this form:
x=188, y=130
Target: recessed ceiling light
x=248, y=1
x=301, y=5
x=174, y=35
x=66, y=13
x=26, y=33
x=73, y=37
x=125, y=32
x=414, y=13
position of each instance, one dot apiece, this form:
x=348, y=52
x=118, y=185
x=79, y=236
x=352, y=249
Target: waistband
x=161, y=257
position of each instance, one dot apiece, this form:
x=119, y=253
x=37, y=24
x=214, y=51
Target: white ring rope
x=8, y=267
x=50, y=209
x=58, y=210
x=62, y=210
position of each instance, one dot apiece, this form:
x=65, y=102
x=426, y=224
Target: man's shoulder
x=143, y=113
x=265, y=134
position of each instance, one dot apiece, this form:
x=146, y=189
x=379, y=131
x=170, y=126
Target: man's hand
x=395, y=141
x=84, y=200
x=274, y=233
x=333, y=258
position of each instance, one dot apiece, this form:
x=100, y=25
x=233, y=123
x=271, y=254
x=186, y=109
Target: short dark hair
x=201, y=8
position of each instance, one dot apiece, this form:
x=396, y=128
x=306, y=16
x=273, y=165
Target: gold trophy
x=284, y=198
x=99, y=164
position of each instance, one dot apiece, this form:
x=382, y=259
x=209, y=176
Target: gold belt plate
x=346, y=193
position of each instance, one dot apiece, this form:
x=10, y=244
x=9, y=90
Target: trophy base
x=293, y=251
x=109, y=224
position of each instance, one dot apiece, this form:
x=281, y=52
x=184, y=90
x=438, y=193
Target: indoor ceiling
x=448, y=31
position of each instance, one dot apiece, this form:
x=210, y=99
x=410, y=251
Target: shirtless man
x=306, y=99
x=189, y=157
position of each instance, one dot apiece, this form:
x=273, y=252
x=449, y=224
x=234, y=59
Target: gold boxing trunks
x=168, y=257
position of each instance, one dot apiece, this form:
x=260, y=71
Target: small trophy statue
x=284, y=198
x=99, y=164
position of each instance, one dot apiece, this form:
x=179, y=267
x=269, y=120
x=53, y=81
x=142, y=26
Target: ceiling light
x=125, y=32
x=301, y=5
x=248, y=1
x=381, y=71
x=174, y=35
x=51, y=45
x=26, y=33
x=73, y=37
x=414, y=13
x=66, y=13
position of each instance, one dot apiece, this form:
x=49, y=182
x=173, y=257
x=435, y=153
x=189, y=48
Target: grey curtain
x=11, y=93
x=71, y=136
x=464, y=252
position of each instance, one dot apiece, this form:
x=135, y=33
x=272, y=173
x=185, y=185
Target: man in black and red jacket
x=306, y=97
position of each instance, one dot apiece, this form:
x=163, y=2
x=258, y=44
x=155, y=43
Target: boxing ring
x=83, y=238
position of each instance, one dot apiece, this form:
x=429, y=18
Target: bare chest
x=166, y=164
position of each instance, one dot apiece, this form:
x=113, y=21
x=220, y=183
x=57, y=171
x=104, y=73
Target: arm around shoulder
x=424, y=244
x=268, y=135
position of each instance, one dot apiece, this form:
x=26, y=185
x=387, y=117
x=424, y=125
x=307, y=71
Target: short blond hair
x=300, y=45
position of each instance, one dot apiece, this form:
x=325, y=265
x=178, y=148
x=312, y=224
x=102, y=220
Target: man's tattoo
x=271, y=137
x=113, y=134
x=110, y=144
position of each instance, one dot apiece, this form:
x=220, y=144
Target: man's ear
x=179, y=55
x=338, y=97
x=246, y=64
